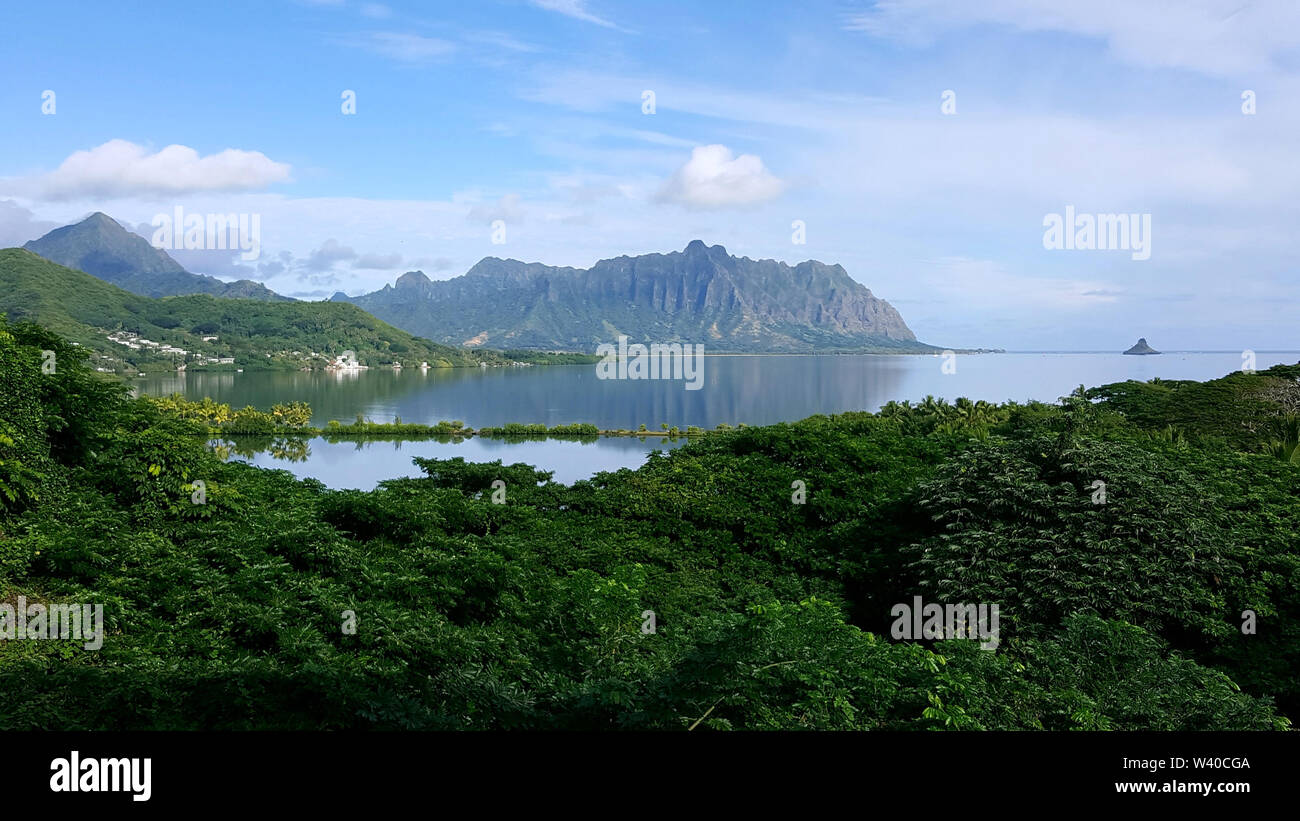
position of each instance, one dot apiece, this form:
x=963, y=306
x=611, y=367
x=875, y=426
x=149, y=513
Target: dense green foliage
x=513, y=429
x=1246, y=410
x=550, y=357
x=486, y=596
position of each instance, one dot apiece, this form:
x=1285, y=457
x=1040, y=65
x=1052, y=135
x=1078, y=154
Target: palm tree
x=1284, y=451
x=1169, y=433
x=933, y=407
x=1287, y=449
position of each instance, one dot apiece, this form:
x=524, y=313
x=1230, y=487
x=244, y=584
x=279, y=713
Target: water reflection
x=363, y=463
x=757, y=390
x=280, y=448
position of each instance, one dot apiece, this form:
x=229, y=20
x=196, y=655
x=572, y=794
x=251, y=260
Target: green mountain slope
x=102, y=248
x=87, y=310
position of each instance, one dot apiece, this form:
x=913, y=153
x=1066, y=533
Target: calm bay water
x=756, y=390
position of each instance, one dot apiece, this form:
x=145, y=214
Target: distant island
x=1141, y=348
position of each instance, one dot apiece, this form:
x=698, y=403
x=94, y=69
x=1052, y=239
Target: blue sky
x=531, y=112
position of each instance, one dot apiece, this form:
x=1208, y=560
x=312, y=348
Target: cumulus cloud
x=332, y=252
x=324, y=257
x=714, y=178
x=119, y=168
x=276, y=267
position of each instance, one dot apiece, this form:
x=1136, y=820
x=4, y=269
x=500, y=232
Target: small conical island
x=1141, y=348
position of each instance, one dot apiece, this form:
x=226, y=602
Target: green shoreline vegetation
x=770, y=560
x=293, y=419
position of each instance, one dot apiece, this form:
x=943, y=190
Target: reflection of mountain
x=737, y=389
x=744, y=389
x=753, y=390
x=372, y=393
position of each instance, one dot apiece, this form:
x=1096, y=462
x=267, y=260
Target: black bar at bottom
x=329, y=771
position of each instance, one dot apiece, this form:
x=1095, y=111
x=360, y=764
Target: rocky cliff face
x=701, y=294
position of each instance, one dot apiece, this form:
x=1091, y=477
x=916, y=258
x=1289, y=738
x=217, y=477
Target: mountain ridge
x=100, y=246
x=701, y=294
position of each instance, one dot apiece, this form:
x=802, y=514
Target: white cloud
x=499, y=40
x=405, y=48
x=19, y=225
x=1215, y=37
x=590, y=91
x=324, y=257
x=586, y=189
x=577, y=9
x=123, y=169
x=507, y=208
x=714, y=178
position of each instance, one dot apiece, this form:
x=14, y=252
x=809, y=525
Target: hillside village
x=185, y=358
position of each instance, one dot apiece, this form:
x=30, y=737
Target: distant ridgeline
x=701, y=295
